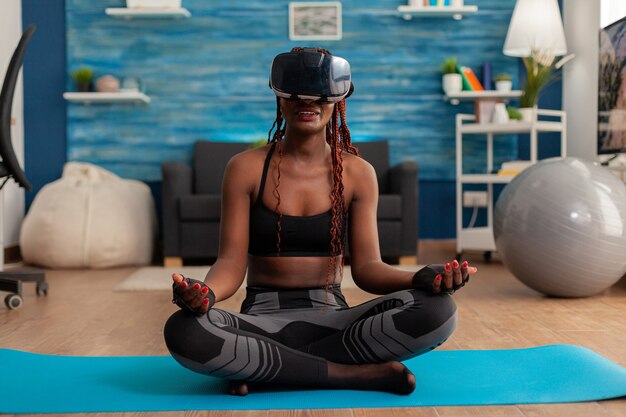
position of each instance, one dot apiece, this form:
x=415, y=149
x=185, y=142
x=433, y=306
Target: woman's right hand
x=192, y=295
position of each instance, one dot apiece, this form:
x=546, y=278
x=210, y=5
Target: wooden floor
x=83, y=316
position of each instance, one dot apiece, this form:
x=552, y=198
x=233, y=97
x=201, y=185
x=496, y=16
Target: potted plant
x=542, y=68
x=451, y=80
x=514, y=113
x=503, y=81
x=83, y=78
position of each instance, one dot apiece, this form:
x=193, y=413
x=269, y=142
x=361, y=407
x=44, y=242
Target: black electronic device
x=612, y=89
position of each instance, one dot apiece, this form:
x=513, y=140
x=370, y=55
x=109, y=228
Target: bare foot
x=390, y=376
x=239, y=388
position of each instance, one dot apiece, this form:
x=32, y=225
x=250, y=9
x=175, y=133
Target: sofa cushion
x=200, y=207
x=377, y=154
x=389, y=207
x=209, y=163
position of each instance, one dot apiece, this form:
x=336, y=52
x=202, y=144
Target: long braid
x=277, y=195
x=277, y=138
x=338, y=137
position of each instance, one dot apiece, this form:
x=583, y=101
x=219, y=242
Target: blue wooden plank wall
x=207, y=77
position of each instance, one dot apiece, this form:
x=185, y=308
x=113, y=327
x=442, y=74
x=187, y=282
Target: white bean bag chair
x=90, y=218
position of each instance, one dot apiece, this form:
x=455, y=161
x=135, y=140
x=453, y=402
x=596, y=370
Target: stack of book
x=513, y=167
x=470, y=80
x=429, y=3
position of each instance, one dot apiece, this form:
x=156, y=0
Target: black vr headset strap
x=350, y=91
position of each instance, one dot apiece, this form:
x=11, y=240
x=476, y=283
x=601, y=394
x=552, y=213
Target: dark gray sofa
x=191, y=201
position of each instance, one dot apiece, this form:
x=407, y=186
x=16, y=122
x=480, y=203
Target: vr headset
x=311, y=75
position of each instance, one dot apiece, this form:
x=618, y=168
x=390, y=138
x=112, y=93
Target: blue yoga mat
x=34, y=383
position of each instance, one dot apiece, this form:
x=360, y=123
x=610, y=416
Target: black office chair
x=10, y=168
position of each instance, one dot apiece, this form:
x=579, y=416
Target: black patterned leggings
x=287, y=336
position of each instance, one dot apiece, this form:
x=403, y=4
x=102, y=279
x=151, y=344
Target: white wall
x=581, y=19
x=13, y=207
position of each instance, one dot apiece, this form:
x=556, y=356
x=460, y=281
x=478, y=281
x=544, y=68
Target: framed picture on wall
x=315, y=20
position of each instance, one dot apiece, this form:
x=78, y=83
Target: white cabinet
x=481, y=238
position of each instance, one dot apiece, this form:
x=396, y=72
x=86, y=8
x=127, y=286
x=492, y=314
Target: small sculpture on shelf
x=83, y=78
x=132, y=84
x=107, y=84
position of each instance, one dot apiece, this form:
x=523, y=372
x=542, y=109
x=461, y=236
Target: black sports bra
x=299, y=235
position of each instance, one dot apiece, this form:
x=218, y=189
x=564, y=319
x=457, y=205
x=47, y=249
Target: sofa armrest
x=177, y=181
x=403, y=180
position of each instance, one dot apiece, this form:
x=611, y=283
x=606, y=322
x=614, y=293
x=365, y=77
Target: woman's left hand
x=453, y=278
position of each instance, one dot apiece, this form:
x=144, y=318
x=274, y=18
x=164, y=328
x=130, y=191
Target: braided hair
x=338, y=137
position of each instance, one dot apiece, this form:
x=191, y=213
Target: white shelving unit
x=120, y=97
x=457, y=13
x=481, y=238
x=148, y=13
x=456, y=98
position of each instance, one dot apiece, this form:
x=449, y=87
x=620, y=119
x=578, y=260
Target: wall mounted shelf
x=457, y=13
x=121, y=97
x=456, y=98
x=148, y=13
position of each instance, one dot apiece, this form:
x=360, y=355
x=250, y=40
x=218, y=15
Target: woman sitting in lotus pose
x=287, y=210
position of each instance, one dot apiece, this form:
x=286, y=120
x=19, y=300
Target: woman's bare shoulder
x=248, y=160
x=357, y=167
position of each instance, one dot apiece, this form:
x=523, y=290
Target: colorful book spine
x=487, y=76
x=466, y=84
x=472, y=79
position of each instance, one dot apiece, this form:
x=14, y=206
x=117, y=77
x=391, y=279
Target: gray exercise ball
x=560, y=227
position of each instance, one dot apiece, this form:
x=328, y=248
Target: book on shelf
x=466, y=84
x=472, y=79
x=513, y=167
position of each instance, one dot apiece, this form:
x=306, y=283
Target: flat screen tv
x=612, y=89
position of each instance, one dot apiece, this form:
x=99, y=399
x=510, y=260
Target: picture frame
x=315, y=20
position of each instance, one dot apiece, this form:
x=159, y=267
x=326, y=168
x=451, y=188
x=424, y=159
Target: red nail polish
x=447, y=267
x=465, y=264
x=455, y=264
x=438, y=277
x=183, y=284
x=196, y=286
x=205, y=290
x=205, y=301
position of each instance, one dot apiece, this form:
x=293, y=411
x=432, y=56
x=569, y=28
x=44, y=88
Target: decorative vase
x=504, y=85
x=107, y=84
x=500, y=114
x=529, y=114
x=452, y=83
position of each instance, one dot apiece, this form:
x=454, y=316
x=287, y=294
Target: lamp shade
x=535, y=25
